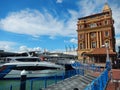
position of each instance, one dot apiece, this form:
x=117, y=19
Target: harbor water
x=15, y=84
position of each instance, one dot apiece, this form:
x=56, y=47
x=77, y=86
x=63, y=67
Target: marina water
x=15, y=84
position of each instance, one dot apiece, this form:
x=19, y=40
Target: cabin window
x=28, y=59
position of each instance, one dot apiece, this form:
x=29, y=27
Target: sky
x=48, y=24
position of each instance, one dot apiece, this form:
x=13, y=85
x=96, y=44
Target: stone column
x=86, y=43
x=98, y=40
x=88, y=40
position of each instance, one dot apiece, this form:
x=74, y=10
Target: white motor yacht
x=32, y=65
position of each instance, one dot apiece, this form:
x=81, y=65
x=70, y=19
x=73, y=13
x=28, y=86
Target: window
x=93, y=25
x=93, y=34
x=81, y=36
x=81, y=46
x=106, y=22
x=93, y=44
x=81, y=26
x=106, y=33
x=28, y=59
x=107, y=42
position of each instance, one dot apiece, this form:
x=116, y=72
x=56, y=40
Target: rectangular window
x=106, y=22
x=93, y=25
x=93, y=44
x=81, y=36
x=93, y=34
x=81, y=26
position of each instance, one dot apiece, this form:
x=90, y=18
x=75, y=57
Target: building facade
x=93, y=32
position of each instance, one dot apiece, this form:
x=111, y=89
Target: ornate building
x=93, y=32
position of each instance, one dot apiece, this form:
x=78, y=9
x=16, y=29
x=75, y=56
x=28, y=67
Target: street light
x=107, y=52
x=108, y=62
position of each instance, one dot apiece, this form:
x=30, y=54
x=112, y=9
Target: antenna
x=28, y=53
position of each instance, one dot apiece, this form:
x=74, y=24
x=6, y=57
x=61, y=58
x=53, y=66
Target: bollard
x=63, y=76
x=55, y=79
x=23, y=80
x=31, y=85
x=11, y=87
x=45, y=82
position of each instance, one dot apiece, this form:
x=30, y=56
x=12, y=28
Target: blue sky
x=47, y=24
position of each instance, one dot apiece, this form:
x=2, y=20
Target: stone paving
x=114, y=83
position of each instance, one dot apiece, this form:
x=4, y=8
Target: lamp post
x=107, y=47
x=108, y=62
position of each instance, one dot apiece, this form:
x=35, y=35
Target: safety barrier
x=42, y=82
x=92, y=67
x=100, y=82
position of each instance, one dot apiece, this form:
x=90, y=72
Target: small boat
x=32, y=65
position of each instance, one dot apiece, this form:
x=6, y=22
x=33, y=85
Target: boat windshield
x=28, y=59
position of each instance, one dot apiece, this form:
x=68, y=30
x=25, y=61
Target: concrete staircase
x=77, y=81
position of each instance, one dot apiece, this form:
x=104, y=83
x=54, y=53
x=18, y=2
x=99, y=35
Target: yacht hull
x=33, y=74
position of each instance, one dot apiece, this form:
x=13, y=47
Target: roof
x=93, y=15
x=106, y=8
x=100, y=51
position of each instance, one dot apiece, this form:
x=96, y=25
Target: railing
x=90, y=67
x=42, y=82
x=100, y=82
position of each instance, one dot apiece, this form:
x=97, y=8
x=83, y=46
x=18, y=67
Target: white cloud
x=25, y=49
x=117, y=43
x=35, y=23
x=88, y=7
x=73, y=40
x=116, y=17
x=10, y=47
x=7, y=46
x=59, y=1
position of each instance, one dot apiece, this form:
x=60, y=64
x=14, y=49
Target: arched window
x=81, y=45
x=108, y=43
x=106, y=33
